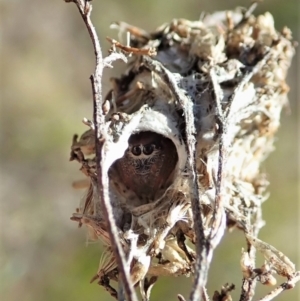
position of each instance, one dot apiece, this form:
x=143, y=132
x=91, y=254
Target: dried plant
x=172, y=158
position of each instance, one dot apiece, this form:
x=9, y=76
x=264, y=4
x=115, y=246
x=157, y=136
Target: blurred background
x=46, y=61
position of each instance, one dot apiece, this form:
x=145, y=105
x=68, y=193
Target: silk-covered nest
x=230, y=70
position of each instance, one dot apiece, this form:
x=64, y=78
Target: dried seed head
x=219, y=101
x=86, y=143
x=106, y=107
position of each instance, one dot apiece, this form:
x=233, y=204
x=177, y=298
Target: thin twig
x=202, y=247
x=222, y=119
x=247, y=289
x=284, y=286
x=205, y=296
x=85, y=9
x=249, y=283
x=248, y=286
x=222, y=130
x=180, y=297
x=136, y=51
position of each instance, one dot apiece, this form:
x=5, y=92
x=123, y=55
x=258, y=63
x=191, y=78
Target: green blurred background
x=46, y=61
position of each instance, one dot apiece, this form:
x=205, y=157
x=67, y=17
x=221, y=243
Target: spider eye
x=136, y=150
x=148, y=149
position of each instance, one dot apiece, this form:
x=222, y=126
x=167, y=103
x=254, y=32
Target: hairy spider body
x=147, y=164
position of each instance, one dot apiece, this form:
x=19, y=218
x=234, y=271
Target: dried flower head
x=187, y=127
